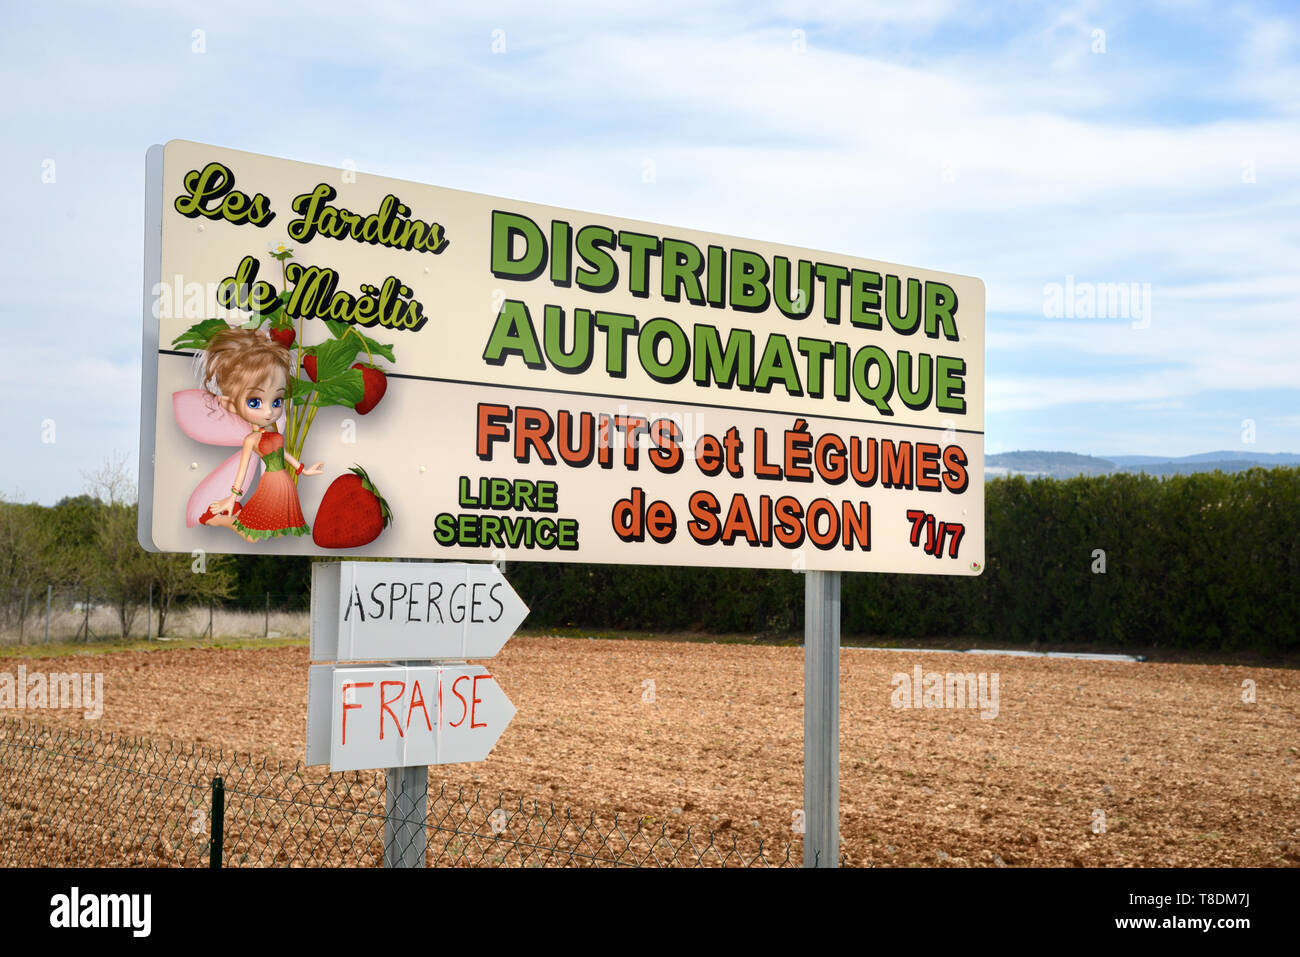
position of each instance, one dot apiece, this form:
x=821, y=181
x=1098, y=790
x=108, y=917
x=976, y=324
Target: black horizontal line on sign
x=635, y=398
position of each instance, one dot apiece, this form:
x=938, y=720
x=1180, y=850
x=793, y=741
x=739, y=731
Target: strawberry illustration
x=352, y=513
x=309, y=364
x=376, y=384
x=284, y=337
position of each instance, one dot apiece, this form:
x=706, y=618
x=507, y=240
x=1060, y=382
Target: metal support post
x=406, y=807
x=821, y=719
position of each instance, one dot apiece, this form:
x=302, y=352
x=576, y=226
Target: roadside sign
x=394, y=716
x=491, y=378
x=371, y=611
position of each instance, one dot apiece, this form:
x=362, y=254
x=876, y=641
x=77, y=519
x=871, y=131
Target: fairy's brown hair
x=235, y=360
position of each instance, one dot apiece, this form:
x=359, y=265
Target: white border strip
x=153, y=200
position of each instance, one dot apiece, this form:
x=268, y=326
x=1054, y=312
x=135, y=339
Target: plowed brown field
x=1184, y=771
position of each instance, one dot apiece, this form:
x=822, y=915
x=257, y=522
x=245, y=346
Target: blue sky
x=1016, y=144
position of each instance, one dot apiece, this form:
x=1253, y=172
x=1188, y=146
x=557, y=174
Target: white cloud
x=1065, y=162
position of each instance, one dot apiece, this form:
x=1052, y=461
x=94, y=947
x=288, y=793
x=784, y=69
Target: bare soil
x=1086, y=763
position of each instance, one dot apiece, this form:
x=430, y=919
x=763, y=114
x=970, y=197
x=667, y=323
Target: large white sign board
x=536, y=383
x=370, y=611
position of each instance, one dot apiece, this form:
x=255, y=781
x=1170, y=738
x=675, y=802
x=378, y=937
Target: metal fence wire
x=90, y=798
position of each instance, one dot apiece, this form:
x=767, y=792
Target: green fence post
x=218, y=822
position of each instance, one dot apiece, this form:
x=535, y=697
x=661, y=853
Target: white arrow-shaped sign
x=396, y=716
x=373, y=611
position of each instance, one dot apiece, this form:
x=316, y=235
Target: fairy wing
x=218, y=484
x=202, y=420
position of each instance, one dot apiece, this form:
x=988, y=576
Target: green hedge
x=1206, y=560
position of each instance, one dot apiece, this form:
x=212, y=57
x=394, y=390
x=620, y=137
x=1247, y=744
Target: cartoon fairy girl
x=244, y=375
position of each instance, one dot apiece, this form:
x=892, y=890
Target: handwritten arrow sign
x=373, y=611
x=396, y=716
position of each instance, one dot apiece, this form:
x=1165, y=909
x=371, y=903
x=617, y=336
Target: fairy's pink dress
x=273, y=508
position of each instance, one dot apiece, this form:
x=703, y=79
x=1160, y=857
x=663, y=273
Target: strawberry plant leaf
x=341, y=329
x=298, y=388
x=346, y=388
x=380, y=349
x=200, y=334
x=376, y=348
x=334, y=357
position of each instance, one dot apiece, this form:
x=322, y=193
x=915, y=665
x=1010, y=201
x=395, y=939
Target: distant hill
x=1223, y=455
x=1126, y=460
x=1046, y=464
x=1033, y=464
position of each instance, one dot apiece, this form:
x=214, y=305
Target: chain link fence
x=86, y=798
